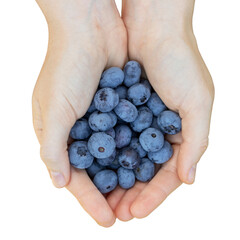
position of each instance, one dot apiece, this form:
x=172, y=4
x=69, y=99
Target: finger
x=174, y=139
x=157, y=190
x=115, y=197
x=122, y=211
x=54, y=146
x=195, y=130
x=90, y=198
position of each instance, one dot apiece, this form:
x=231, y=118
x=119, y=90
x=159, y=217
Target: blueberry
x=101, y=145
x=128, y=158
x=143, y=120
x=145, y=171
x=106, y=161
x=169, y=122
x=92, y=107
x=94, y=169
x=123, y=136
x=106, y=99
x=156, y=104
x=112, y=78
x=138, y=94
x=79, y=156
x=154, y=124
x=126, y=178
x=126, y=111
x=115, y=164
x=99, y=121
x=151, y=140
x=146, y=83
x=80, y=130
x=132, y=73
x=135, y=144
x=105, y=181
x=121, y=91
x=111, y=132
x=163, y=155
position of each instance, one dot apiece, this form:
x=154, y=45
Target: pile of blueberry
x=121, y=137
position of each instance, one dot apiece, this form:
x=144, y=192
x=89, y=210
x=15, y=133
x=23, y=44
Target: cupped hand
x=169, y=54
x=84, y=39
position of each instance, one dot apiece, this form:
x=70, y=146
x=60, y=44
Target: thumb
x=195, y=130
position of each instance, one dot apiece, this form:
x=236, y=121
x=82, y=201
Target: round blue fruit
x=105, y=181
x=156, y=104
x=146, y=83
x=121, y=91
x=101, y=145
x=132, y=73
x=163, y=155
x=138, y=94
x=94, y=169
x=128, y=158
x=92, y=107
x=169, y=122
x=106, y=99
x=79, y=156
x=145, y=171
x=123, y=136
x=135, y=144
x=106, y=161
x=126, y=178
x=111, y=132
x=111, y=78
x=151, y=139
x=143, y=120
x=99, y=121
x=80, y=130
x=126, y=111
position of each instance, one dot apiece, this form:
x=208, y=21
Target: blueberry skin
x=126, y=111
x=156, y=104
x=154, y=124
x=138, y=94
x=80, y=130
x=146, y=83
x=135, y=144
x=94, y=169
x=92, y=107
x=111, y=132
x=145, y=171
x=105, y=180
x=101, y=145
x=79, y=156
x=121, y=91
x=123, y=136
x=143, y=120
x=151, y=140
x=106, y=99
x=169, y=122
x=115, y=164
x=126, y=178
x=128, y=158
x=99, y=121
x=111, y=78
x=132, y=73
x=163, y=155
x=106, y=161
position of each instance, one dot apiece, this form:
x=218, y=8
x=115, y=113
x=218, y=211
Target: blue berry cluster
x=121, y=137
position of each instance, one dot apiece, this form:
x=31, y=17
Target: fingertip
x=107, y=222
x=188, y=176
x=123, y=213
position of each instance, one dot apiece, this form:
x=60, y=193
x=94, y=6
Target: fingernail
x=191, y=174
x=58, y=179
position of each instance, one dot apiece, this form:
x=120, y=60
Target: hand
x=160, y=37
x=85, y=37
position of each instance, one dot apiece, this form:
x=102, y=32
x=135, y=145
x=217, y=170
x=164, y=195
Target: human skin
x=85, y=37
x=161, y=38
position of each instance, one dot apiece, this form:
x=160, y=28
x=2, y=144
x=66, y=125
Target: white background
x=31, y=208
